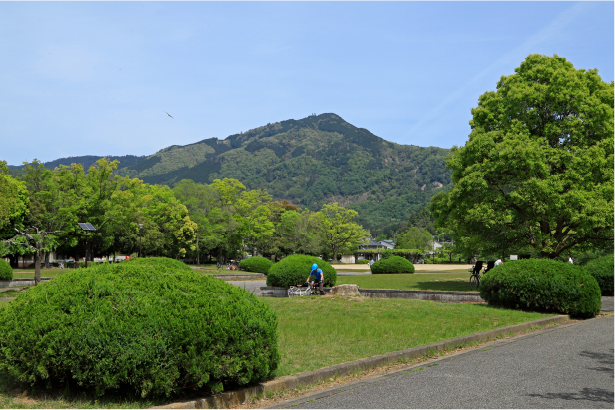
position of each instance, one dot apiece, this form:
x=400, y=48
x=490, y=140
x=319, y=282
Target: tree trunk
x=14, y=261
x=47, y=260
x=37, y=266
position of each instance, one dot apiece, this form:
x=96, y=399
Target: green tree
x=338, y=229
x=49, y=215
x=538, y=167
x=415, y=238
x=13, y=199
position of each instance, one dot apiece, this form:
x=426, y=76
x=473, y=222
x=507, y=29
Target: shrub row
x=256, y=264
x=602, y=269
x=150, y=326
x=294, y=269
x=6, y=272
x=543, y=285
x=393, y=264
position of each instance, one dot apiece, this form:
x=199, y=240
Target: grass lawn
x=351, y=328
x=347, y=328
x=407, y=281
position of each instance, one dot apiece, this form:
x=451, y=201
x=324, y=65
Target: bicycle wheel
x=474, y=281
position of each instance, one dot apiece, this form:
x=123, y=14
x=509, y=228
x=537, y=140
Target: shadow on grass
x=450, y=286
x=20, y=395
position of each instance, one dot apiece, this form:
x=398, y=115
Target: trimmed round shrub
x=602, y=269
x=6, y=272
x=294, y=269
x=542, y=285
x=256, y=264
x=362, y=261
x=150, y=326
x=393, y=264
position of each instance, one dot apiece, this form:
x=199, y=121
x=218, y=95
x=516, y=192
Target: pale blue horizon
x=89, y=78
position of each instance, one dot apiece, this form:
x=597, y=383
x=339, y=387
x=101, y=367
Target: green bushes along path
x=602, y=269
x=150, y=326
x=294, y=269
x=256, y=264
x=544, y=285
x=393, y=264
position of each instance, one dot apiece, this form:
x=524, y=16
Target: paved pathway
x=564, y=367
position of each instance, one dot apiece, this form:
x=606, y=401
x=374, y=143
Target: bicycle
x=476, y=272
x=300, y=290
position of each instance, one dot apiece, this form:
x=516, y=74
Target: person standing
x=319, y=278
x=570, y=259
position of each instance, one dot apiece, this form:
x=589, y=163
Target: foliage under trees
x=392, y=264
x=256, y=264
x=151, y=327
x=537, y=170
x=542, y=285
x=6, y=272
x=603, y=270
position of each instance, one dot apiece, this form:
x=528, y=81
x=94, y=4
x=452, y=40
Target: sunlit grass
x=316, y=332
x=458, y=282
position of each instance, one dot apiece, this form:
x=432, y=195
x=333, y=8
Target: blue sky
x=89, y=78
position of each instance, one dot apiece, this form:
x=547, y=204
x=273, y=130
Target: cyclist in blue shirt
x=319, y=278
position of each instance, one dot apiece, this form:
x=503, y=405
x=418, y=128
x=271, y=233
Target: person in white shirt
x=500, y=261
x=570, y=259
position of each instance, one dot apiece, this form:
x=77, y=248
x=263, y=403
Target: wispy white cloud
x=551, y=31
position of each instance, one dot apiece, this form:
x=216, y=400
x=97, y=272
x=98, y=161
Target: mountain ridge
x=311, y=161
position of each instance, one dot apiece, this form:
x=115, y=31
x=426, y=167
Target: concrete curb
x=20, y=282
x=239, y=396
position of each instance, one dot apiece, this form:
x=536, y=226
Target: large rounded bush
x=151, y=326
x=256, y=264
x=294, y=269
x=393, y=264
x=6, y=272
x=602, y=269
x=543, y=285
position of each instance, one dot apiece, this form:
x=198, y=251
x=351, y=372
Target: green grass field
x=457, y=282
x=317, y=332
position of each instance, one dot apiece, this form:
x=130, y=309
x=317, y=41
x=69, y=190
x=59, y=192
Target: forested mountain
x=85, y=160
x=316, y=160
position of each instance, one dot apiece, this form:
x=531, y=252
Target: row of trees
x=39, y=213
x=230, y=217
x=41, y=210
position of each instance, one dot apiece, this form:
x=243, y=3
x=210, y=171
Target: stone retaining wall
x=456, y=297
x=20, y=282
x=243, y=276
x=423, y=294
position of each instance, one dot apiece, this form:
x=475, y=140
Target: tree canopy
x=537, y=170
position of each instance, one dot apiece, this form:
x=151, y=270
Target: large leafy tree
x=415, y=238
x=336, y=223
x=537, y=170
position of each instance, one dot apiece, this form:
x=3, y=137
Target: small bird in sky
x=170, y=115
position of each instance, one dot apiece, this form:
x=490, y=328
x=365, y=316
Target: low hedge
x=542, y=285
x=393, y=264
x=602, y=269
x=294, y=269
x=256, y=264
x=362, y=261
x=148, y=326
x=6, y=272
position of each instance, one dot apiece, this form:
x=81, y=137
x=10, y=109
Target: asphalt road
x=569, y=366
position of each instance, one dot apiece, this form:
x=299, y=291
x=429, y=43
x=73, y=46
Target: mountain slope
x=315, y=160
